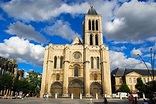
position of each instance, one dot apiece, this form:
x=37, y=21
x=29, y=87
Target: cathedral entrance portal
x=56, y=88
x=95, y=87
x=75, y=87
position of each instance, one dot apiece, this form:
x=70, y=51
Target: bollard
x=91, y=100
x=96, y=96
x=55, y=95
x=72, y=96
x=80, y=95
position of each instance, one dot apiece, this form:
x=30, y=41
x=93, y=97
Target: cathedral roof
x=77, y=41
x=92, y=11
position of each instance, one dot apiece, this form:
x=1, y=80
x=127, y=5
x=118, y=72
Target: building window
x=93, y=27
x=91, y=39
x=57, y=76
x=89, y=25
x=120, y=80
x=92, y=63
x=130, y=80
x=76, y=70
x=134, y=80
x=96, y=39
x=55, y=62
x=61, y=61
x=96, y=25
x=98, y=63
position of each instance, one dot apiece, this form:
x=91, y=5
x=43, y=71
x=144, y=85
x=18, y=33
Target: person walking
x=145, y=102
x=105, y=100
x=134, y=100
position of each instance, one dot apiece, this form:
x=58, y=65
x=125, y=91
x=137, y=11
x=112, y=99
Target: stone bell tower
x=95, y=52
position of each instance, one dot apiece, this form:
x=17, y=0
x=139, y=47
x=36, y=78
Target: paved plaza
x=63, y=101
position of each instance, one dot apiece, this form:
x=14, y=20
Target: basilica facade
x=79, y=67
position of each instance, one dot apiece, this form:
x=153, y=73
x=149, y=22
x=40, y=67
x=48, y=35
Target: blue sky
x=27, y=26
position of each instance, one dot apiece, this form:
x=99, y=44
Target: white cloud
x=135, y=52
x=133, y=20
x=119, y=60
x=119, y=48
x=152, y=39
x=22, y=50
x=31, y=10
x=61, y=29
x=26, y=31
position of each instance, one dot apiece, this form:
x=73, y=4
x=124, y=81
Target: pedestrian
x=134, y=100
x=47, y=96
x=44, y=96
x=105, y=100
x=145, y=102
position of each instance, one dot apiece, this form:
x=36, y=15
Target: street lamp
x=145, y=65
x=152, y=61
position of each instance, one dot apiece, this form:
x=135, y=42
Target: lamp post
x=152, y=61
x=145, y=65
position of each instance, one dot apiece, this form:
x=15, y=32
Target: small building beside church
x=80, y=67
x=129, y=76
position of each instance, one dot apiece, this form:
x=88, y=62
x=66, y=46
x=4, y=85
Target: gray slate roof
x=92, y=11
x=123, y=72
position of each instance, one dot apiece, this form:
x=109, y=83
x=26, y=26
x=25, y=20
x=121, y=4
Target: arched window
x=97, y=63
x=76, y=70
x=91, y=39
x=55, y=62
x=93, y=27
x=96, y=39
x=95, y=76
x=89, y=24
x=61, y=61
x=57, y=76
x=92, y=63
x=96, y=25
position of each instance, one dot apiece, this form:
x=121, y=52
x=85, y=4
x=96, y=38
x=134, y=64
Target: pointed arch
x=89, y=24
x=96, y=39
x=91, y=39
x=92, y=62
x=98, y=63
x=97, y=25
x=76, y=70
x=61, y=61
x=55, y=62
x=93, y=26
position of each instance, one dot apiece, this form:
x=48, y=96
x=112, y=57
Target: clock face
x=77, y=55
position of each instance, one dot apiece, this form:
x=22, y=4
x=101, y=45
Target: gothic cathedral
x=80, y=67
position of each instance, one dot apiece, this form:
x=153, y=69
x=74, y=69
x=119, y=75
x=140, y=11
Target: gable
x=134, y=74
x=77, y=41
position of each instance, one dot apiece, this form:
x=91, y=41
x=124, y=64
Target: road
x=63, y=101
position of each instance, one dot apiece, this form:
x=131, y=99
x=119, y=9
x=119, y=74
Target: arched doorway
x=95, y=87
x=56, y=87
x=75, y=87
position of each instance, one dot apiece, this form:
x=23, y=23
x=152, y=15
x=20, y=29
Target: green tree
x=140, y=85
x=34, y=79
x=6, y=81
x=21, y=85
x=124, y=88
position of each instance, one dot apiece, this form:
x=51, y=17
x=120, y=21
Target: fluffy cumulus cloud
x=136, y=52
x=61, y=29
x=22, y=50
x=26, y=31
x=119, y=59
x=133, y=20
x=31, y=10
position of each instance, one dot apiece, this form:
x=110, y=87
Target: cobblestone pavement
x=63, y=101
